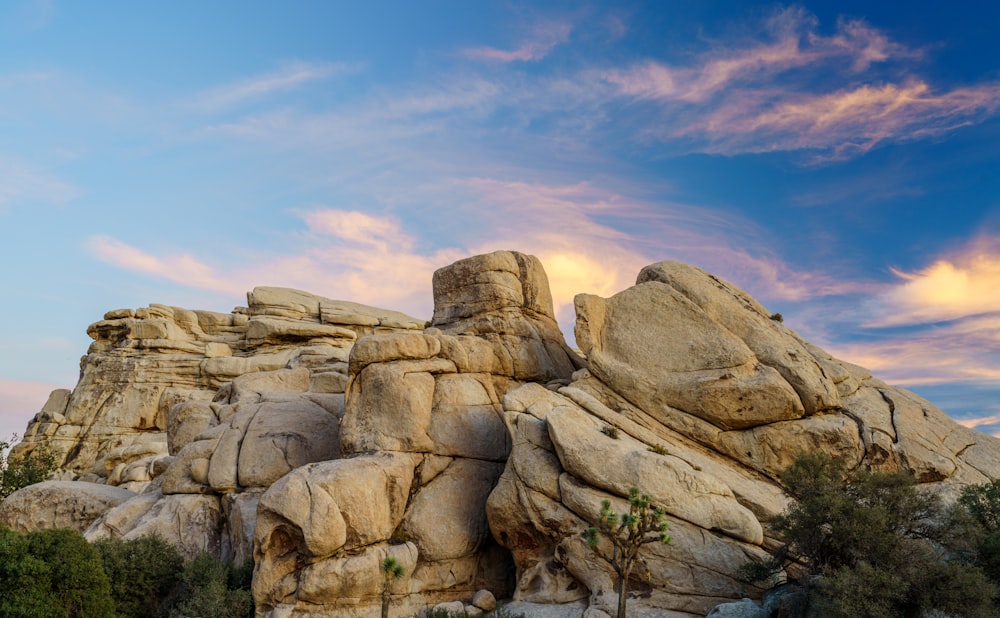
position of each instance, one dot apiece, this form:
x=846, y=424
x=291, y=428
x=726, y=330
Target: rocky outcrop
x=319, y=437
x=423, y=443
x=113, y=426
x=694, y=394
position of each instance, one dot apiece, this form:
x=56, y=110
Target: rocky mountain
x=320, y=436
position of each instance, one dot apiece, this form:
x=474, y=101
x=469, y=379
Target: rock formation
x=319, y=437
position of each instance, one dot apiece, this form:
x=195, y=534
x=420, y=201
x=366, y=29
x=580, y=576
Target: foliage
x=209, y=587
x=871, y=544
x=391, y=569
x=52, y=574
x=628, y=532
x=20, y=470
x=610, y=431
x=144, y=574
x=659, y=449
x=981, y=503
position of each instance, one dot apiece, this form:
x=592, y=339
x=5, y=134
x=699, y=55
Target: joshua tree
x=391, y=569
x=627, y=533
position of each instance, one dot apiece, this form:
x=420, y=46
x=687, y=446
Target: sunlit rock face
x=318, y=437
x=710, y=399
x=423, y=443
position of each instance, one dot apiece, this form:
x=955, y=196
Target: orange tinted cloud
x=961, y=285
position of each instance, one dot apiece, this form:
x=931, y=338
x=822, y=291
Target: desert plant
x=144, y=573
x=52, y=574
x=19, y=470
x=870, y=544
x=610, y=431
x=210, y=587
x=628, y=532
x=391, y=569
x=659, y=449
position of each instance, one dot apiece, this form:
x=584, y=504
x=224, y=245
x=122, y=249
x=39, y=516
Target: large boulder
x=59, y=504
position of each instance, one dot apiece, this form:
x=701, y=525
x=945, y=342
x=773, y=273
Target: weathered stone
x=446, y=518
x=484, y=600
x=391, y=410
x=321, y=436
x=59, y=504
x=677, y=356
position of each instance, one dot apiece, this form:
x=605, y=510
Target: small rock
x=452, y=607
x=744, y=608
x=484, y=600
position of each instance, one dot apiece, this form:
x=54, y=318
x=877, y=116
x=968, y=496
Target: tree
x=628, y=532
x=144, y=573
x=870, y=544
x=52, y=574
x=210, y=587
x=391, y=569
x=19, y=470
x=981, y=505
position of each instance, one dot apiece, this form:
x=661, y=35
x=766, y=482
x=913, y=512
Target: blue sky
x=838, y=160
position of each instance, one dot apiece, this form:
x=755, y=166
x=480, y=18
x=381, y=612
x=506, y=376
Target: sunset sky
x=838, y=160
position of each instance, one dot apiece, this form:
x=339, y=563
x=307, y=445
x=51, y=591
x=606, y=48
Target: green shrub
x=871, y=544
x=210, y=587
x=144, y=574
x=52, y=574
x=21, y=470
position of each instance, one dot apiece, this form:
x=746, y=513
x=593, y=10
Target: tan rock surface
x=59, y=504
x=320, y=436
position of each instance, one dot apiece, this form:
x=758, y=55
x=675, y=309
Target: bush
x=144, y=574
x=52, y=574
x=210, y=587
x=21, y=470
x=980, y=504
x=871, y=544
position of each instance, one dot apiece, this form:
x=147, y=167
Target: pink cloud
x=791, y=88
x=590, y=239
x=791, y=43
x=845, y=123
x=289, y=77
x=543, y=39
x=180, y=268
x=964, y=351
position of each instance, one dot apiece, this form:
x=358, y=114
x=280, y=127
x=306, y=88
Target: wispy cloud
x=542, y=39
x=181, y=268
x=791, y=42
x=290, y=77
x=793, y=89
x=20, y=184
x=982, y=421
x=580, y=231
x=844, y=123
